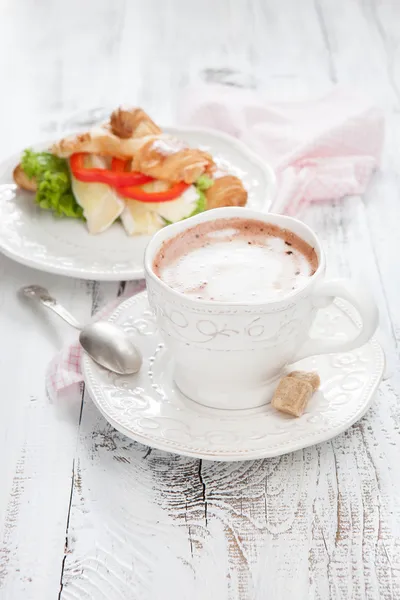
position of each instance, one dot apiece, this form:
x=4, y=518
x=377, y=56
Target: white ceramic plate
x=147, y=407
x=35, y=238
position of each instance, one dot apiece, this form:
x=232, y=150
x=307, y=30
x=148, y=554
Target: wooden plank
x=374, y=65
x=38, y=439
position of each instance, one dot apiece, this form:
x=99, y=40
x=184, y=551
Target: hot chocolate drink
x=235, y=260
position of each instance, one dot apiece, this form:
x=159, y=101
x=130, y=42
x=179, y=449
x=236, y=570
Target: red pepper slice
x=137, y=193
x=119, y=164
x=115, y=178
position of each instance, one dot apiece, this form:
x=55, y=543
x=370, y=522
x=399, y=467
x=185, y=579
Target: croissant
x=116, y=138
x=100, y=140
x=171, y=160
x=226, y=191
x=23, y=181
x=132, y=122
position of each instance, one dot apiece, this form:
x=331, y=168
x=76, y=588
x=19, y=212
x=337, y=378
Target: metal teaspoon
x=107, y=344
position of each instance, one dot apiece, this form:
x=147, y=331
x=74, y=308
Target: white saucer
x=35, y=238
x=149, y=408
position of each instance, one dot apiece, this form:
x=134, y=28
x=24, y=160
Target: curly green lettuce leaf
x=204, y=182
x=36, y=164
x=54, y=191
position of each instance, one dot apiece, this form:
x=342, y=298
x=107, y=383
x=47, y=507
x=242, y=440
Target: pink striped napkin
x=321, y=149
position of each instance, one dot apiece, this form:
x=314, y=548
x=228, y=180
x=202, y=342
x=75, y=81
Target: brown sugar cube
x=291, y=396
x=310, y=376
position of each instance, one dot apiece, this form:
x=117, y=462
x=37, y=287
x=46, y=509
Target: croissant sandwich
x=127, y=169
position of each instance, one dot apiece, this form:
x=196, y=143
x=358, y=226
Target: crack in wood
x=189, y=530
x=122, y=459
x=94, y=287
x=67, y=530
x=148, y=452
x=338, y=518
x=265, y=499
x=121, y=288
x=203, y=486
x=321, y=21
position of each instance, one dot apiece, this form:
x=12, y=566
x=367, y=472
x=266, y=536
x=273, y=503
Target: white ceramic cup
x=228, y=355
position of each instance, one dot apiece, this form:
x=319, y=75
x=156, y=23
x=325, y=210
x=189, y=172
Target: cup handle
x=323, y=295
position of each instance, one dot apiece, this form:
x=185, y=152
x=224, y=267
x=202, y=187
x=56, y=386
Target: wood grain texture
x=84, y=512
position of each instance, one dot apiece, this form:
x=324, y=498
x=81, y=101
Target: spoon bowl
x=110, y=347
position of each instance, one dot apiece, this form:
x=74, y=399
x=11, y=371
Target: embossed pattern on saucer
x=35, y=238
x=148, y=408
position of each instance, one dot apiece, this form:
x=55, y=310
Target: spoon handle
x=42, y=295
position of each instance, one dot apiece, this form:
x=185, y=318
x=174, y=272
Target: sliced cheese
x=101, y=204
x=149, y=217
x=137, y=218
x=178, y=209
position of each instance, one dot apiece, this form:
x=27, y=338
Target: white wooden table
x=84, y=512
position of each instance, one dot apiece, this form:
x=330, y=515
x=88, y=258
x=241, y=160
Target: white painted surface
x=319, y=523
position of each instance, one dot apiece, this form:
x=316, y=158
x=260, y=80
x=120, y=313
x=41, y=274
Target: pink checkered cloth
x=321, y=149
x=65, y=370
